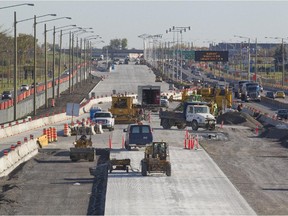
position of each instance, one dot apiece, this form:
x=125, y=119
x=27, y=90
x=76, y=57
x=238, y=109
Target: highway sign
x=211, y=56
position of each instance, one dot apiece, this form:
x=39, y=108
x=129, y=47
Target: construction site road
x=233, y=172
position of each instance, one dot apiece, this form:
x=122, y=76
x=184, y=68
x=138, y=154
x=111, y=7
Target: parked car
x=270, y=94
x=32, y=85
x=282, y=114
x=6, y=95
x=280, y=94
x=24, y=87
x=138, y=135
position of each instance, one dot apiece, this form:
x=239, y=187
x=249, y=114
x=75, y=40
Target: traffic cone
x=123, y=141
x=66, y=130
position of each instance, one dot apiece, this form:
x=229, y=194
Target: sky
x=210, y=21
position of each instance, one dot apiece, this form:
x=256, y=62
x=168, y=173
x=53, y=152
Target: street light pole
x=28, y=4
x=45, y=47
x=59, y=64
x=283, y=62
x=15, y=59
x=15, y=68
x=34, y=71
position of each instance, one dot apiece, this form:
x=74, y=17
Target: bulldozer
x=83, y=149
x=156, y=159
x=123, y=109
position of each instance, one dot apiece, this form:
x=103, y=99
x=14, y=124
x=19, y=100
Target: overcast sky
x=210, y=21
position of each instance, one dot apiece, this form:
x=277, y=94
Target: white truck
x=194, y=114
x=105, y=118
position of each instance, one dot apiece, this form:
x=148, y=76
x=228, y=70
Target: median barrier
x=19, y=155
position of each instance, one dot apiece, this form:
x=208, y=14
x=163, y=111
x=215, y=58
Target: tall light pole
x=16, y=57
x=248, y=54
x=283, y=58
x=45, y=43
x=16, y=5
x=53, y=60
x=85, y=44
x=178, y=29
x=35, y=44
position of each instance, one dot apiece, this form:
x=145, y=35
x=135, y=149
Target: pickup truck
x=194, y=114
x=105, y=118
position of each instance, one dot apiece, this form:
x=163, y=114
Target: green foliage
x=118, y=44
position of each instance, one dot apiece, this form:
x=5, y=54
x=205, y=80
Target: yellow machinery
x=158, y=79
x=83, y=149
x=186, y=96
x=123, y=110
x=222, y=97
x=156, y=159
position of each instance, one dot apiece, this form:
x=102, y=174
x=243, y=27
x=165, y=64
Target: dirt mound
x=238, y=118
x=275, y=133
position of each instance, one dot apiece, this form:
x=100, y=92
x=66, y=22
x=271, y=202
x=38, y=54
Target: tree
x=124, y=43
x=118, y=44
x=278, y=56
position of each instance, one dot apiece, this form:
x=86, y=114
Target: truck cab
x=251, y=92
x=198, y=115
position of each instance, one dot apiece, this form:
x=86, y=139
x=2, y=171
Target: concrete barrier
x=15, y=157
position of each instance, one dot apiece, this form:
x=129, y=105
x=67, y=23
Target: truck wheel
x=166, y=124
x=212, y=127
x=168, y=169
x=194, y=125
x=181, y=126
x=127, y=147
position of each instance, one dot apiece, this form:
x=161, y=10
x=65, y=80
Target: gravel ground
x=256, y=165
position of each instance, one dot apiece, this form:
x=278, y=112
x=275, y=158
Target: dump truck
x=83, y=149
x=193, y=114
x=149, y=96
x=156, y=159
x=124, y=110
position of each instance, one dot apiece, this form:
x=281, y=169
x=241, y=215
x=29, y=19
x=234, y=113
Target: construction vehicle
x=222, y=97
x=83, y=149
x=158, y=79
x=186, y=95
x=149, y=97
x=156, y=159
x=195, y=114
x=119, y=164
x=124, y=110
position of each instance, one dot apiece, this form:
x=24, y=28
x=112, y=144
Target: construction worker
x=239, y=107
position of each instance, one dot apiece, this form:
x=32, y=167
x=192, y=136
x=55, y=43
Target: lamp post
x=178, y=29
x=16, y=57
x=16, y=5
x=35, y=44
x=84, y=31
x=248, y=53
x=85, y=44
x=45, y=43
x=283, y=58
